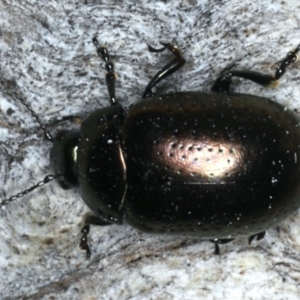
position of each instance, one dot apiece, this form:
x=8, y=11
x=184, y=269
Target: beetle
x=214, y=165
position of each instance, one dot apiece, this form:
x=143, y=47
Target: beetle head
x=63, y=157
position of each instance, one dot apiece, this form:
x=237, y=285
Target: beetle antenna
x=109, y=66
x=47, y=179
x=37, y=119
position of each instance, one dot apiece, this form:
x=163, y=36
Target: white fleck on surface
x=46, y=48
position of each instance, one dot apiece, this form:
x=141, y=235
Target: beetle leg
x=109, y=66
x=259, y=236
x=223, y=82
x=90, y=220
x=167, y=70
x=220, y=241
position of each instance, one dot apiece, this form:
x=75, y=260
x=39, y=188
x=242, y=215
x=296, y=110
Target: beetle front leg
x=90, y=220
x=223, y=82
x=167, y=70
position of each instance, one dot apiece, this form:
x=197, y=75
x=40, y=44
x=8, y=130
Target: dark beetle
x=213, y=165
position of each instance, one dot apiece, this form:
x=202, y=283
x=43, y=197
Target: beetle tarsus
x=83, y=241
x=289, y=59
x=90, y=220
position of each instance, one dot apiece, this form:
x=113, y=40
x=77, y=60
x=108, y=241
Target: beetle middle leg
x=223, y=82
x=167, y=70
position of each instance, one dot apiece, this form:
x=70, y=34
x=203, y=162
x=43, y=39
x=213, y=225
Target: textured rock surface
x=46, y=48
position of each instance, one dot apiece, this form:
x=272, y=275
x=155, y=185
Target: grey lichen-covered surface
x=46, y=50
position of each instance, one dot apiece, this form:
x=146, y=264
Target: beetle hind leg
x=167, y=70
x=90, y=220
x=223, y=82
